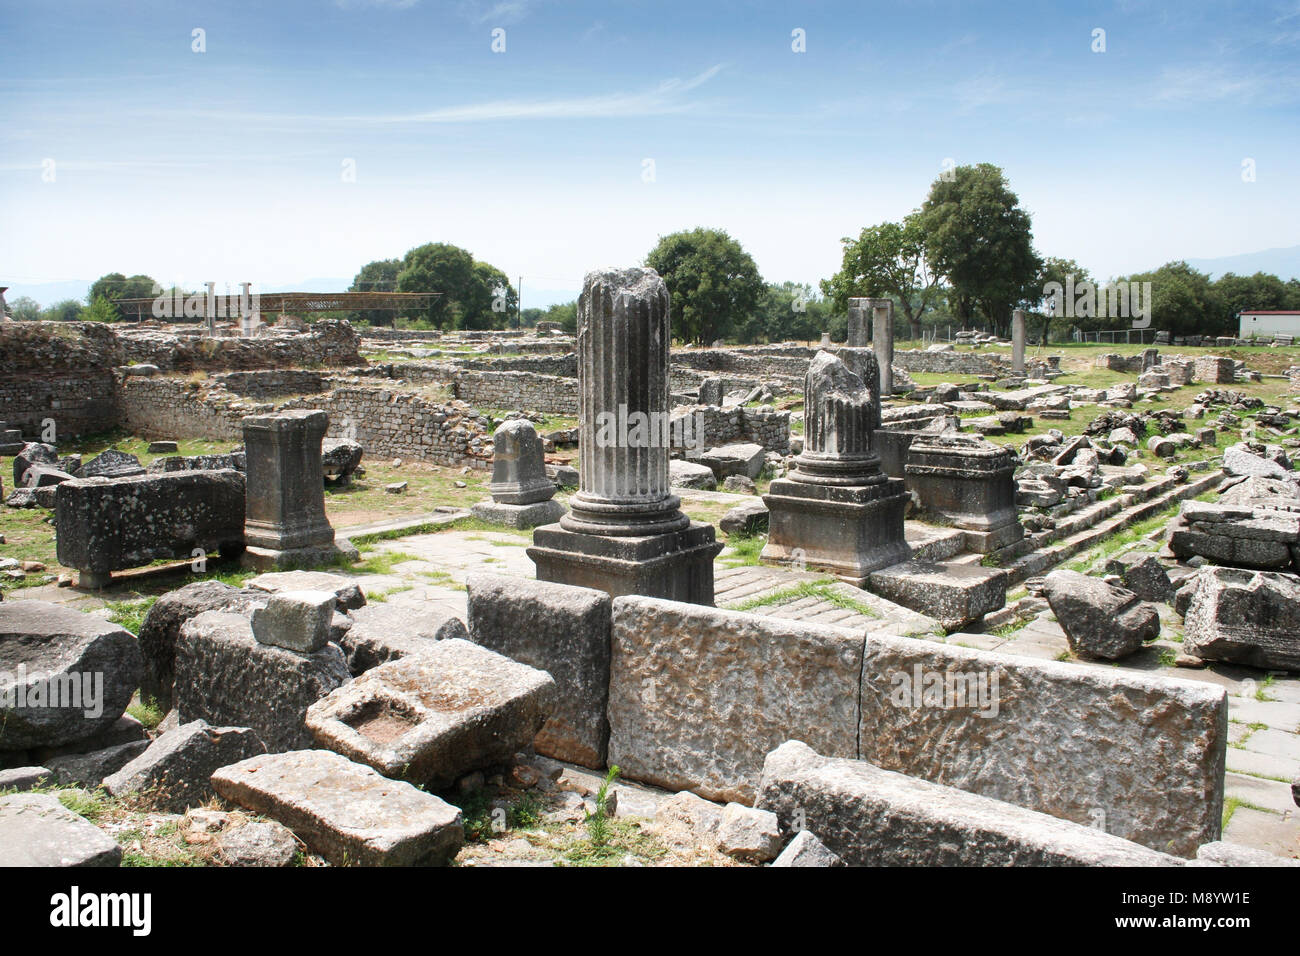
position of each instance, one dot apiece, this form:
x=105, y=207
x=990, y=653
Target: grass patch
x=820, y=589
x=745, y=551
x=147, y=712
x=130, y=614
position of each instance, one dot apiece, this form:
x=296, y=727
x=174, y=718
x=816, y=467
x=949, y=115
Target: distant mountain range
x=1283, y=263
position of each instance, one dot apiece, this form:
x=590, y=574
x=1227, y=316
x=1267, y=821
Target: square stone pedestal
x=313, y=556
x=848, y=531
x=677, y=566
x=519, y=516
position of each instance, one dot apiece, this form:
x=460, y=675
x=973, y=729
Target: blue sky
x=228, y=165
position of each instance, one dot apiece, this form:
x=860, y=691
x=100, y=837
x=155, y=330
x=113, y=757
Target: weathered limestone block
x=690, y=474
x=176, y=767
x=698, y=696
x=296, y=620
x=162, y=627
x=111, y=463
x=339, y=458
x=1144, y=575
x=564, y=631
x=745, y=458
x=1245, y=617
x=89, y=769
x=37, y=830
x=1100, y=621
x=872, y=817
x=64, y=675
x=345, y=811
x=388, y=632
x=805, y=850
x=522, y=494
x=433, y=717
x=970, y=481
x=227, y=678
x=104, y=526
x=1083, y=743
x=953, y=594
x=347, y=592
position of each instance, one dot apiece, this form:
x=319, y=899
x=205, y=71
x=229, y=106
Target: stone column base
x=677, y=566
x=269, y=559
x=848, y=531
x=519, y=516
x=988, y=540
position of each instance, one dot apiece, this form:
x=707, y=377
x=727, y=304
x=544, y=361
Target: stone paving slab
x=1279, y=743
x=1266, y=794
x=1278, y=715
x=1255, y=764
x=1265, y=831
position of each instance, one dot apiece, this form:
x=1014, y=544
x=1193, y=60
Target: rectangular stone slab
x=434, y=716
x=37, y=830
x=564, y=631
x=698, y=695
x=872, y=817
x=107, y=525
x=345, y=811
x=1144, y=752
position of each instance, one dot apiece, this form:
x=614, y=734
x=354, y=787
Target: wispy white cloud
x=1213, y=84
x=666, y=97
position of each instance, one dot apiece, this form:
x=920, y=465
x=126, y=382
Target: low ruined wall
x=725, y=426
x=166, y=407
x=952, y=363
x=698, y=696
x=272, y=383
x=77, y=402
x=517, y=390
x=404, y=425
x=329, y=342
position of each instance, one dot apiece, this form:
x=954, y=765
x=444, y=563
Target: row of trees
x=965, y=258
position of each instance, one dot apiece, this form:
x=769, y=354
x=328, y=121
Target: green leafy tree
x=1056, y=270
x=565, y=313
x=1184, y=301
x=492, y=302
x=377, y=276
x=100, y=310
x=786, y=311
x=116, y=286
x=979, y=239
x=25, y=309
x=66, y=311
x=887, y=260
x=467, y=288
x=713, y=282
x=1244, y=293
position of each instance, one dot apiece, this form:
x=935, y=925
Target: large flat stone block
x=37, y=830
x=105, y=525
x=1086, y=743
x=345, y=811
x=698, y=696
x=873, y=817
x=433, y=717
x=953, y=594
x=564, y=631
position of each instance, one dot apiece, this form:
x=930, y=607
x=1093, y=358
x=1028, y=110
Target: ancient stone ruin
x=318, y=595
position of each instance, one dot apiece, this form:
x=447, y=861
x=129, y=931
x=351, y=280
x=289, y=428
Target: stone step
x=1043, y=559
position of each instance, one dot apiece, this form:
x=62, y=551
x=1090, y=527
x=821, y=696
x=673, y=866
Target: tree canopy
x=887, y=260
x=714, y=283
x=469, y=290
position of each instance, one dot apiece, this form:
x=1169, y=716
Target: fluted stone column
x=284, y=508
x=623, y=443
x=837, y=511
x=625, y=532
x=1018, y=340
